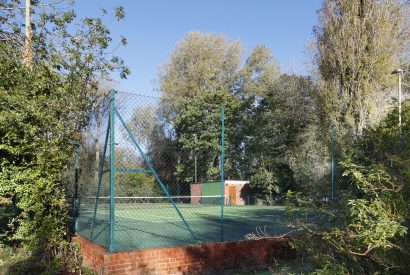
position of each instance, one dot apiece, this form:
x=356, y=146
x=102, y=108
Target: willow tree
x=359, y=43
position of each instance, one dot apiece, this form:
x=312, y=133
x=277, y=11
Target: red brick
x=120, y=266
x=177, y=260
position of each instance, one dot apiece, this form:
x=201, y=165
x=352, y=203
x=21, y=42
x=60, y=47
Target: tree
x=43, y=110
x=204, y=74
x=266, y=114
x=274, y=133
x=38, y=120
x=62, y=41
x=200, y=63
x=139, y=185
x=358, y=44
x=365, y=229
x=202, y=117
x=259, y=73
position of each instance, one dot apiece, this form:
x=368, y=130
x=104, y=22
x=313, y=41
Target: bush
x=365, y=230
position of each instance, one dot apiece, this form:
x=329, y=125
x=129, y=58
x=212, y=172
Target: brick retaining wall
x=194, y=259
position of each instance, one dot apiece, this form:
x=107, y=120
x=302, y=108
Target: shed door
x=232, y=194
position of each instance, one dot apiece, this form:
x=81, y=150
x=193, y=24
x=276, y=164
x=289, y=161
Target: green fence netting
x=157, y=172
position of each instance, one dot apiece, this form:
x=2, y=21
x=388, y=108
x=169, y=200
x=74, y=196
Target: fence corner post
x=222, y=172
x=112, y=171
x=332, y=164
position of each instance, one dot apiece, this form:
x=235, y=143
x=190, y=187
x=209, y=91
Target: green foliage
x=264, y=184
x=274, y=132
x=358, y=45
x=139, y=185
x=202, y=117
x=20, y=261
x=366, y=229
x=332, y=268
x=74, y=47
x=278, y=122
x=34, y=138
x=42, y=110
x=204, y=75
x=37, y=121
x=200, y=63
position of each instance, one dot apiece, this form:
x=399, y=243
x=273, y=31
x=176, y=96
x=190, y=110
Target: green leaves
x=40, y=113
x=264, y=184
x=266, y=113
x=202, y=117
x=73, y=46
x=119, y=13
x=123, y=41
x=375, y=223
x=365, y=229
x=358, y=44
x=203, y=63
x=140, y=185
x=42, y=110
x=369, y=228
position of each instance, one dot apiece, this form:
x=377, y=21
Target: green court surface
x=139, y=226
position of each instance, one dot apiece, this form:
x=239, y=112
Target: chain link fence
x=157, y=172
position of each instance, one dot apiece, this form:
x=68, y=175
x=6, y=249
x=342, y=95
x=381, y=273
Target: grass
x=15, y=260
x=298, y=266
x=10, y=257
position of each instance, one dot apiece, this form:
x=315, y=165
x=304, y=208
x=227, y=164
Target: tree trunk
x=28, y=51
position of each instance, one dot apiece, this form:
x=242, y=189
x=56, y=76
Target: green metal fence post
x=222, y=172
x=76, y=201
x=332, y=164
x=195, y=159
x=112, y=171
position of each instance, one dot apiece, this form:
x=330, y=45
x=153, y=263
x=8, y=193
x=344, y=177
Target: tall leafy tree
x=198, y=128
x=365, y=229
x=200, y=63
x=359, y=43
x=281, y=115
x=206, y=72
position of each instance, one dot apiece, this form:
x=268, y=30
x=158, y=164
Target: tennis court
x=141, y=224
x=121, y=162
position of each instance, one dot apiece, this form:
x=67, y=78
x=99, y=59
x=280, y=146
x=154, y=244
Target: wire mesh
x=93, y=219
x=151, y=174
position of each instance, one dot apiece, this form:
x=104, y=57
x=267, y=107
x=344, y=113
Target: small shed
x=236, y=192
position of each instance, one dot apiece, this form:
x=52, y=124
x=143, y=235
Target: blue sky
x=153, y=28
